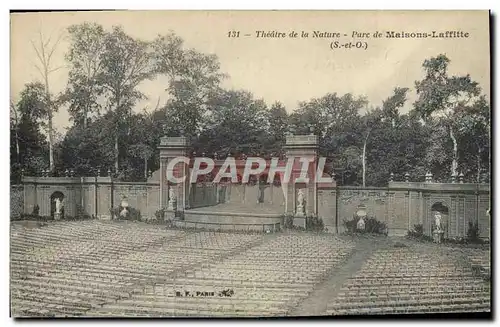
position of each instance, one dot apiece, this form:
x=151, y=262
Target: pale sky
x=286, y=69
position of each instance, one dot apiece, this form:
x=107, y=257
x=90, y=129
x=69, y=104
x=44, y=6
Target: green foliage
x=288, y=221
x=80, y=214
x=85, y=58
x=107, y=67
x=235, y=111
x=418, y=230
x=372, y=226
x=36, y=210
x=193, y=77
x=28, y=144
x=417, y=233
x=314, y=224
x=132, y=213
x=28, y=216
x=160, y=214
x=350, y=225
x=473, y=233
x=448, y=104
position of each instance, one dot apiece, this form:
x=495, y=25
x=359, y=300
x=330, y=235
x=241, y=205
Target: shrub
x=133, y=214
x=350, y=225
x=400, y=245
x=114, y=212
x=30, y=216
x=160, y=214
x=80, y=214
x=288, y=221
x=372, y=226
x=473, y=233
x=314, y=224
x=36, y=210
x=455, y=240
x=417, y=231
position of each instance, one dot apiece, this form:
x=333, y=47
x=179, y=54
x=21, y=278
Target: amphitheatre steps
x=116, y=269
x=415, y=279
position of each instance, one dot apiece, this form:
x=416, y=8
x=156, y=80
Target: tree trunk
x=117, y=113
x=364, y=158
x=49, y=113
x=16, y=128
x=146, y=168
x=454, y=162
x=51, y=145
x=85, y=120
x=116, y=150
x=18, y=152
x=478, y=159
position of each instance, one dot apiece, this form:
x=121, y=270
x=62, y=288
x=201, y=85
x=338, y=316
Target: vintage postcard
x=238, y=164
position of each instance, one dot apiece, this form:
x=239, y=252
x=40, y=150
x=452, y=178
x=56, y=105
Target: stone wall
x=249, y=194
x=327, y=208
x=401, y=205
x=95, y=195
x=140, y=196
x=16, y=200
x=339, y=204
x=205, y=194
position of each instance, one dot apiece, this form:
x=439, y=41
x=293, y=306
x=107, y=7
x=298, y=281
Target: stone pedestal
x=57, y=216
x=438, y=236
x=169, y=215
x=299, y=222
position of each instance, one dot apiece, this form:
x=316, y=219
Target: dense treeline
x=446, y=132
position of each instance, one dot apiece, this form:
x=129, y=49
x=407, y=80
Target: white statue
x=361, y=213
x=300, y=203
x=172, y=201
x=438, y=231
x=361, y=224
x=124, y=205
x=59, y=205
x=300, y=197
x=437, y=221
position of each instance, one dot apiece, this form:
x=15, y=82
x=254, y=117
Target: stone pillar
x=163, y=182
x=170, y=148
x=302, y=146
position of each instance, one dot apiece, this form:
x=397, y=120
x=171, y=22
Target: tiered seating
x=69, y=268
x=480, y=261
x=267, y=280
x=96, y=268
x=412, y=280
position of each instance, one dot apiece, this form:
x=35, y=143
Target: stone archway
x=56, y=195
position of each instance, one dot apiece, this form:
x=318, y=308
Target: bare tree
x=44, y=51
